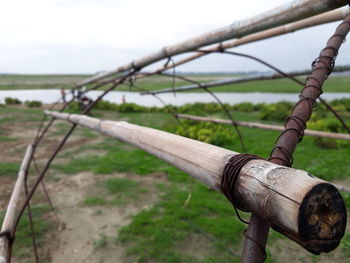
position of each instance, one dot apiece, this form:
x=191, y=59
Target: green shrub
x=207, y=132
x=106, y=105
x=12, y=101
x=345, y=103
x=320, y=112
x=275, y=111
x=259, y=106
x=33, y=103
x=131, y=107
x=328, y=125
x=244, y=107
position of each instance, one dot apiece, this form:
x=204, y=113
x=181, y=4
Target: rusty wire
x=296, y=123
x=328, y=106
x=322, y=63
x=229, y=178
x=222, y=105
x=31, y=224
x=57, y=150
x=48, y=198
x=173, y=112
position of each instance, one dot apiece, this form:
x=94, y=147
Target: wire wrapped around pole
x=229, y=178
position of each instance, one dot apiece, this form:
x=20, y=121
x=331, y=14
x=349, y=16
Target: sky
x=89, y=36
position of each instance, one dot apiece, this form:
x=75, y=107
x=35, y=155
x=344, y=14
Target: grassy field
x=187, y=221
x=10, y=82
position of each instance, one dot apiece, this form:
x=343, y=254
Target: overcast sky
x=86, y=36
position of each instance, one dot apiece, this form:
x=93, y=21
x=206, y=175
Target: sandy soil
x=83, y=225
x=80, y=226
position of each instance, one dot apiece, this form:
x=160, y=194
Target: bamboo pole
x=321, y=134
x=237, y=80
x=9, y=219
x=287, y=13
x=342, y=188
x=296, y=194
x=328, y=17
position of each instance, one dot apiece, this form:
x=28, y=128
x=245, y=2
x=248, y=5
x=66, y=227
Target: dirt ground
x=83, y=225
x=80, y=227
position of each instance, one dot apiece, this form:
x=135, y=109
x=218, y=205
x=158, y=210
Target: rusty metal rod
x=287, y=141
x=287, y=13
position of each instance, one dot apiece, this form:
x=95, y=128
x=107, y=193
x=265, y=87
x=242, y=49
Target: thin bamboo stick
x=342, y=188
x=237, y=80
x=330, y=135
x=292, y=189
x=290, y=12
x=8, y=222
x=321, y=134
x=331, y=16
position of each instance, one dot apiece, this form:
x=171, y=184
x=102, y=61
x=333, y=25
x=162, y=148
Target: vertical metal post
x=257, y=233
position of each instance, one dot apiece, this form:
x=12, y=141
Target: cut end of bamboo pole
x=2, y=259
x=322, y=219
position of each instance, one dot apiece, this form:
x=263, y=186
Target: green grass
x=9, y=169
x=168, y=223
x=22, y=249
x=17, y=81
x=5, y=138
x=155, y=235
x=163, y=232
x=10, y=82
x=6, y=119
x=116, y=160
x=94, y=201
x=117, y=185
x=118, y=191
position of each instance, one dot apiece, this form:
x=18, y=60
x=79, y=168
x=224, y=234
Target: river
x=52, y=95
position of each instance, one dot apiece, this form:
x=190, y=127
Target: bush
x=207, y=132
x=259, y=106
x=131, y=107
x=33, y=103
x=105, y=105
x=276, y=111
x=244, y=107
x=328, y=125
x=345, y=103
x=12, y=101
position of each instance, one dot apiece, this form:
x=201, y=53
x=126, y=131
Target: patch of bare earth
x=196, y=246
x=283, y=250
x=86, y=225
x=5, y=191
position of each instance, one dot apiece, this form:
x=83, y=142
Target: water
x=52, y=95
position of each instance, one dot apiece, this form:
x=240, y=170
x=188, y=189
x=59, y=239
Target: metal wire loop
x=134, y=67
x=300, y=122
x=313, y=101
x=288, y=157
x=320, y=91
x=221, y=48
x=229, y=178
x=9, y=235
